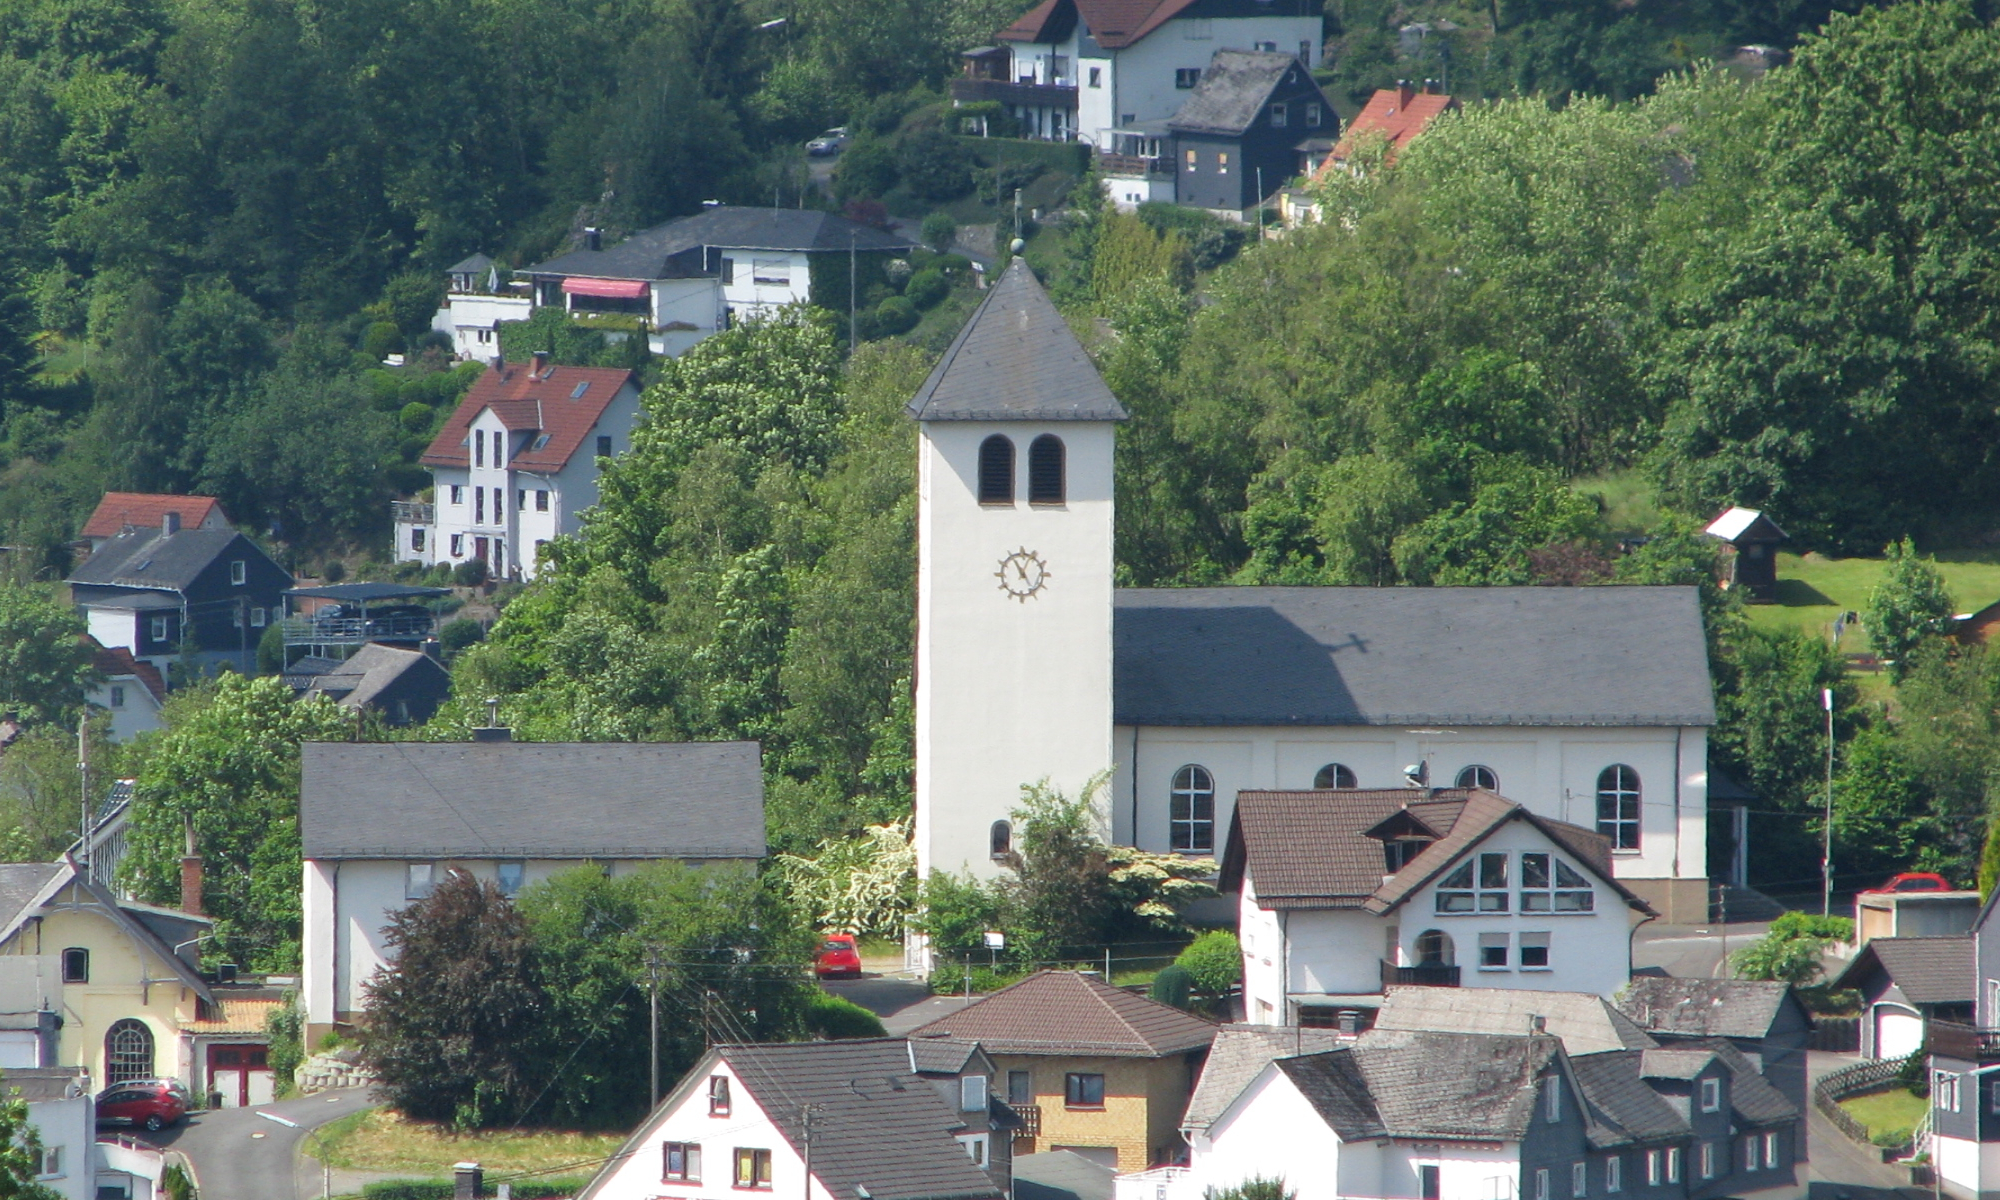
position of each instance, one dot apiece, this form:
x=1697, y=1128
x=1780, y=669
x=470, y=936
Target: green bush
x=939, y=231
x=457, y=635
x=926, y=288
x=833, y=1017
x=1173, y=985
x=1258, y=1188
x=893, y=316
x=1213, y=961
x=934, y=166
x=441, y=1189
x=470, y=573
x=416, y=416
x=867, y=170
x=381, y=339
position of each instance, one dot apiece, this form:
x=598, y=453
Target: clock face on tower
x=1022, y=574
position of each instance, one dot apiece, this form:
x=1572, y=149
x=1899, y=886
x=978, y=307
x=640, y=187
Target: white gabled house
x=516, y=464
x=477, y=301
x=1346, y=892
x=882, y=1119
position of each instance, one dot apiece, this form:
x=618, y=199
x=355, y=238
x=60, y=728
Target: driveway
x=242, y=1154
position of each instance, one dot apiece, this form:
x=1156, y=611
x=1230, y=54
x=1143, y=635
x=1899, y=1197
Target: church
x=1586, y=706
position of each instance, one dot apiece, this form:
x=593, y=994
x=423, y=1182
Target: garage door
x=20, y=1048
x=1897, y=1033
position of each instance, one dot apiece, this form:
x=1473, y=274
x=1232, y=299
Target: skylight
x=581, y=388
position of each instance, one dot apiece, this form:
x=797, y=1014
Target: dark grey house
x=1905, y=983
x=1236, y=139
x=1965, y=1072
x=405, y=686
x=1762, y=1019
x=156, y=591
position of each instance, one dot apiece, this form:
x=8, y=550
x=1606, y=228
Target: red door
x=231, y=1070
x=479, y=548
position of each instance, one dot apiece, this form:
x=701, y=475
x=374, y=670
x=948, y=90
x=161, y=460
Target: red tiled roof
x=1114, y=23
x=1394, y=114
x=1066, y=1012
x=524, y=401
x=117, y=662
x=142, y=510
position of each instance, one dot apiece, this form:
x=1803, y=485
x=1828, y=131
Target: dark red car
x=839, y=958
x=150, y=1103
x=1912, y=881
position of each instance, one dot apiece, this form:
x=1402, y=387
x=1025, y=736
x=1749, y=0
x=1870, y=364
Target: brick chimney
x=190, y=874
x=541, y=365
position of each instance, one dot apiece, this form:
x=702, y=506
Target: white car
x=833, y=141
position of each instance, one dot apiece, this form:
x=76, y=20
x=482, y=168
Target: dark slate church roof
x=1232, y=91
x=1015, y=360
x=1593, y=656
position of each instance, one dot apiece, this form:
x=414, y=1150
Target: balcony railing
x=1031, y=1120
x=1024, y=95
x=353, y=631
x=1133, y=164
x=411, y=512
x=1953, y=1040
x=1427, y=975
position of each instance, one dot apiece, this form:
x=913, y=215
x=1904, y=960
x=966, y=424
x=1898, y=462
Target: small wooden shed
x=1754, y=539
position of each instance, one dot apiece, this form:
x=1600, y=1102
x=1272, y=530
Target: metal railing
x=346, y=631
x=1031, y=95
x=1133, y=164
x=412, y=512
x=1426, y=975
x=1031, y=1119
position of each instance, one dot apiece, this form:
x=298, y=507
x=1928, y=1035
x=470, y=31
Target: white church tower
x=1014, y=574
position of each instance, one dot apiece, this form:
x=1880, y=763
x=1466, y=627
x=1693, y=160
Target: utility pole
x=853, y=322
x=1826, y=853
x=806, y=1114
x=1260, y=222
x=653, y=1005
x=1017, y=214
x=83, y=789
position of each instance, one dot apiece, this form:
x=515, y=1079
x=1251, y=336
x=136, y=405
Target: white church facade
x=1589, y=706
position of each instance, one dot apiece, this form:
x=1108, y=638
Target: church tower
x=1014, y=574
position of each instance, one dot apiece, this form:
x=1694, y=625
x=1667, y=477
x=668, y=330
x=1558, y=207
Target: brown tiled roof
x=1067, y=1012
x=237, y=1016
x=117, y=661
x=1115, y=24
x=523, y=401
x=1929, y=970
x=1389, y=113
x=1311, y=849
x=144, y=510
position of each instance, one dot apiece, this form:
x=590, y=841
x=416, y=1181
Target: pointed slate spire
x=1015, y=360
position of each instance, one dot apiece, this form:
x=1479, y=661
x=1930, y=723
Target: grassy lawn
x=1894, y=1112
x=380, y=1140
x=1812, y=590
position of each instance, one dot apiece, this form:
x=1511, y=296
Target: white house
x=131, y=690
x=477, y=301
x=516, y=464
x=1344, y=893
x=1589, y=706
x=1410, y=1115
x=1111, y=71
x=880, y=1118
x=691, y=276
x=381, y=823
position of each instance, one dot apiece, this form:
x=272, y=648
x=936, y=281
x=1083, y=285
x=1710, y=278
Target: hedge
x=1070, y=158
x=441, y=1189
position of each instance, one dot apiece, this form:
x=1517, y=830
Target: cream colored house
x=119, y=977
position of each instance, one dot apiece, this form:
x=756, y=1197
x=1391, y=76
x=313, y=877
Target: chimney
x=170, y=523
x=1404, y=94
x=541, y=365
x=466, y=1181
x=190, y=872
x=1538, y=1023
x=493, y=730
x=593, y=238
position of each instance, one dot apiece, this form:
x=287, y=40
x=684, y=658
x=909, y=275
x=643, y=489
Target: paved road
x=238, y=1154
x=1842, y=1169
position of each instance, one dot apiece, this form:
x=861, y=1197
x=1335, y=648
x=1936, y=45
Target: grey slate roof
x=1751, y=1096
x=1591, y=656
x=1061, y=1175
x=880, y=1126
x=1612, y=1083
x=531, y=800
x=1068, y=1012
x=1674, y=1064
x=470, y=265
x=147, y=558
x=363, y=676
x=1929, y=970
x=662, y=251
x=1453, y=1085
x=1232, y=91
x=1239, y=1054
x=1586, y=1023
x=1015, y=360
x=941, y=1056
x=1745, y=1008
x=1333, y=1083
x=20, y=883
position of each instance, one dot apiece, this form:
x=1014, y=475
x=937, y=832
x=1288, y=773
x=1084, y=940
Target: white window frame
x=1563, y=888
x=1711, y=1095
x=159, y=627
x=1944, y=1086
x=1477, y=885
x=1500, y=942
x=239, y=571
x=1673, y=1164
x=1614, y=1173
x=1579, y=1179
x=1626, y=797
x=1750, y=1152
x=1655, y=1167
x=1534, y=940
x=458, y=545
x=118, y=695
x=771, y=272
x=1771, y=1150
x=975, y=1148
x=458, y=494
x=1477, y=775
x=514, y=867
x=1708, y=1160
x=1552, y=1098
x=257, y=616
x=419, y=879
x=1192, y=833
x=51, y=1164
x=972, y=1093
x=541, y=499
x=1280, y=116
x=1541, y=1183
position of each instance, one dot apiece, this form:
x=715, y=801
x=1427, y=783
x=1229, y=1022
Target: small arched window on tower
x=1000, y=840
x=1333, y=776
x=996, y=471
x=1476, y=776
x=1045, y=470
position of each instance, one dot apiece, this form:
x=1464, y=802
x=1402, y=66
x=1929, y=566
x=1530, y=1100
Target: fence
x=1840, y=1035
x=1856, y=1080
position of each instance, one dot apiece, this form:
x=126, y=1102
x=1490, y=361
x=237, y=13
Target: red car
x=1912, y=881
x=839, y=958
x=151, y=1103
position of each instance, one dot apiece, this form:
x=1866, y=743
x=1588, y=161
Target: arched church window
x=996, y=471
x=1476, y=776
x=1000, y=840
x=128, y=1051
x=1191, y=815
x=1434, y=949
x=1045, y=470
x=1618, y=806
x=1334, y=775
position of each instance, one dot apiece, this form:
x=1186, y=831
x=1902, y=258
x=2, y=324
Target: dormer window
x=1398, y=854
